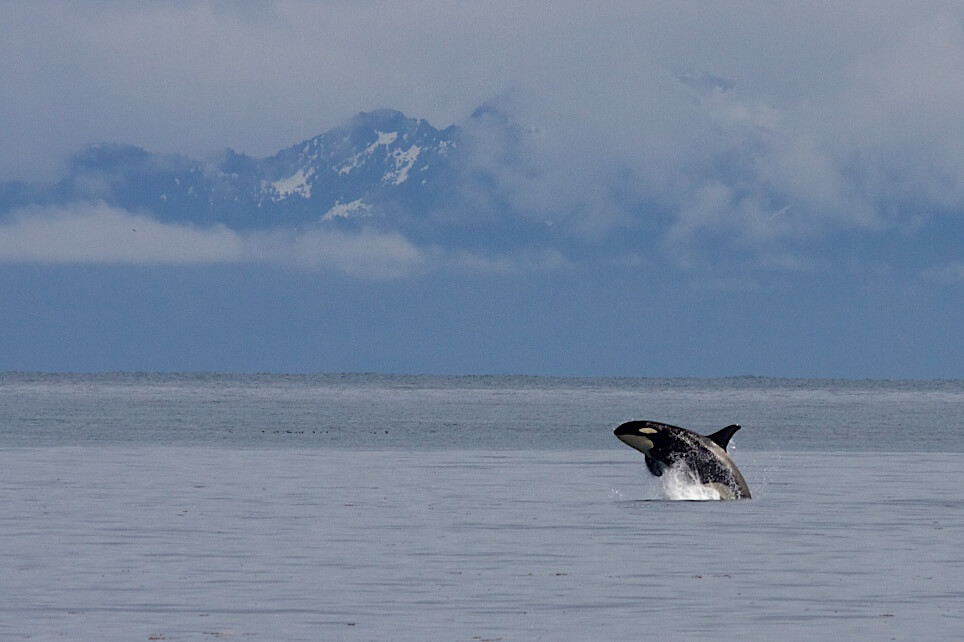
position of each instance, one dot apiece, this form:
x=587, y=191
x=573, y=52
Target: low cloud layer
x=100, y=234
x=96, y=233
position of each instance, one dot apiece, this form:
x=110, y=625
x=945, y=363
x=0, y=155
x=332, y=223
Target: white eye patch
x=648, y=431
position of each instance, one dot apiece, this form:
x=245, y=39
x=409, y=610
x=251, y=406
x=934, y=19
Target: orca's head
x=641, y=435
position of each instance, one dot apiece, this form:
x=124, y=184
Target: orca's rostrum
x=705, y=456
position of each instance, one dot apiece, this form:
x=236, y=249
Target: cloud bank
x=97, y=233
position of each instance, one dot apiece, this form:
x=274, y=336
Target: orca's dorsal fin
x=722, y=437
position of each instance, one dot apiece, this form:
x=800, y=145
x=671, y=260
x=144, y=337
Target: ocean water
x=365, y=507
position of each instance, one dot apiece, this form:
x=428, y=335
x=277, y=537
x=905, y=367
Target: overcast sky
x=256, y=76
x=763, y=128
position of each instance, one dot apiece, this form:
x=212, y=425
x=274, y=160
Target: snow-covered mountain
x=380, y=162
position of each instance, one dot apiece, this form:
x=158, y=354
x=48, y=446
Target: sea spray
x=681, y=483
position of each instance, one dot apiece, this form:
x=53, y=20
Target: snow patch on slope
x=404, y=161
x=383, y=139
x=345, y=210
x=297, y=183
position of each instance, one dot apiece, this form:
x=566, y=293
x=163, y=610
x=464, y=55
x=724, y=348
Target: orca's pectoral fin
x=655, y=467
x=722, y=437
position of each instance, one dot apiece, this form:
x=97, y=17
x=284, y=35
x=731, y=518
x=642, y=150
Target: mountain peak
x=382, y=118
x=107, y=155
x=378, y=163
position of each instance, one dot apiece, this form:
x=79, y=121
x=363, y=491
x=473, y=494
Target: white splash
x=680, y=483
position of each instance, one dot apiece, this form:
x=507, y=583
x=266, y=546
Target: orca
x=667, y=446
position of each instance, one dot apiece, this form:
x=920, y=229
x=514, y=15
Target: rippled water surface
x=188, y=507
